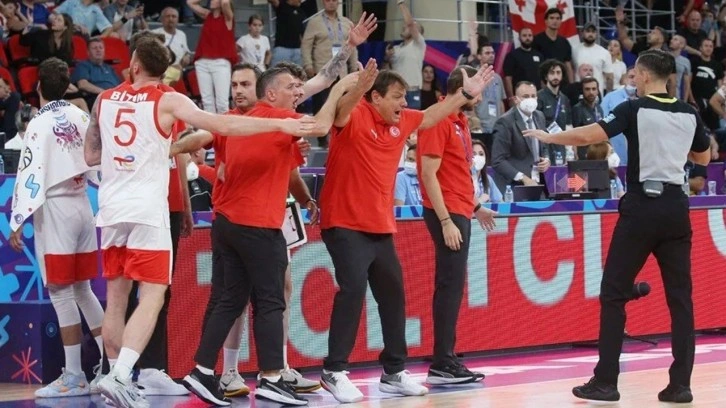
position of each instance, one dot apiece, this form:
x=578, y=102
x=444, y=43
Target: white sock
x=272, y=378
x=127, y=358
x=73, y=359
x=231, y=356
x=284, y=357
x=111, y=363
x=205, y=370
x=99, y=343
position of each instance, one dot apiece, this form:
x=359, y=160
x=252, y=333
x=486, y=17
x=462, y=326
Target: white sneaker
x=338, y=384
x=233, y=384
x=156, y=382
x=121, y=393
x=96, y=379
x=299, y=383
x=401, y=383
x=67, y=385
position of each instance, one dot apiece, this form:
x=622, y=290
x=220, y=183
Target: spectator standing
x=430, y=92
x=683, y=68
x=613, y=99
x=693, y=34
x=654, y=41
x=253, y=47
x=574, y=90
x=590, y=52
x=215, y=53
x=35, y=11
x=408, y=189
x=588, y=110
x=125, y=18
x=407, y=58
x=491, y=105
x=289, y=29
x=93, y=76
x=176, y=41
x=619, y=67
x=707, y=77
x=554, y=104
x=87, y=16
x=522, y=64
x=554, y=46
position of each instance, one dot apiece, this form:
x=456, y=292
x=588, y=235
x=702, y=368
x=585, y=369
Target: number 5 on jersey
x=122, y=124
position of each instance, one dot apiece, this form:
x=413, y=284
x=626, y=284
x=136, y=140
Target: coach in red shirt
x=445, y=155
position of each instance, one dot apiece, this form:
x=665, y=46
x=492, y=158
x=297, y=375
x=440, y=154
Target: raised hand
x=475, y=85
x=366, y=25
x=368, y=74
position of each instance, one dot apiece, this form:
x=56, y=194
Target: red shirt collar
x=376, y=116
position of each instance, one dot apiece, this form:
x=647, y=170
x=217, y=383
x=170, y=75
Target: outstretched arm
x=348, y=102
x=92, y=143
x=409, y=21
x=191, y=142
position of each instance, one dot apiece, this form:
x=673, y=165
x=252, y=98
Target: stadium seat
x=19, y=54
x=28, y=80
x=117, y=52
x=3, y=55
x=80, y=48
x=7, y=77
x=190, y=79
x=181, y=87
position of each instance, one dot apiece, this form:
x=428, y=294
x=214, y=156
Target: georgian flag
x=530, y=13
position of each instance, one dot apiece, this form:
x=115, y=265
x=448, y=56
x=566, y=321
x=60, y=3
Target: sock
x=272, y=378
x=111, y=364
x=99, y=343
x=284, y=357
x=126, y=360
x=204, y=370
x=73, y=359
x=230, y=359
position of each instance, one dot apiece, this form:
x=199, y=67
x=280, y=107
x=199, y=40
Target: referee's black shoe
x=676, y=393
x=279, y=391
x=597, y=390
x=206, y=387
x=453, y=374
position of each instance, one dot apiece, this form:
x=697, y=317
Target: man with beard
x=491, y=105
x=574, y=89
x=654, y=41
x=707, y=77
x=554, y=46
x=587, y=111
x=589, y=52
x=554, y=104
x=407, y=58
x=522, y=64
x=445, y=155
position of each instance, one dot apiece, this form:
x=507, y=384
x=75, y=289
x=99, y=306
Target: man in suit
x=516, y=160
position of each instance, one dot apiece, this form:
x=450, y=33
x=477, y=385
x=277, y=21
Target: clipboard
x=293, y=227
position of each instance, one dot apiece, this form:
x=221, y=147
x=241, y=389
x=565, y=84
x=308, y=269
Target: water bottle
x=2, y=165
x=558, y=159
x=613, y=189
x=509, y=195
x=686, y=185
x=570, y=153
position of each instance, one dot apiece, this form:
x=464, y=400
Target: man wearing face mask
x=408, y=190
x=588, y=110
x=515, y=159
x=446, y=156
x=613, y=99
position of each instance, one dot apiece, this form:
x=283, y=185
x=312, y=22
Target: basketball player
x=366, y=145
x=128, y=135
x=51, y=185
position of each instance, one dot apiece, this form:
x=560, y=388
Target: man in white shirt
x=176, y=40
x=407, y=58
x=589, y=52
x=22, y=117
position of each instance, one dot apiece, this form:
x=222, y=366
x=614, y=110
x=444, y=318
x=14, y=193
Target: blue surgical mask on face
x=409, y=168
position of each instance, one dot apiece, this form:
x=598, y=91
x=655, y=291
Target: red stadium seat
x=116, y=51
x=3, y=56
x=80, y=48
x=190, y=77
x=7, y=77
x=28, y=80
x=181, y=86
x=19, y=54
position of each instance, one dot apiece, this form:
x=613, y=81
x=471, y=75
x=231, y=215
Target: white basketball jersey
x=135, y=158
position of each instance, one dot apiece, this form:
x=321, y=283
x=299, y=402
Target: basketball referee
x=662, y=133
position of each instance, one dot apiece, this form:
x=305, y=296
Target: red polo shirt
x=176, y=198
x=257, y=173
x=449, y=140
x=361, y=170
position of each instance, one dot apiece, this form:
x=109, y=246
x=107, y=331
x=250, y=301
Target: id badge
x=554, y=128
x=492, y=109
x=336, y=49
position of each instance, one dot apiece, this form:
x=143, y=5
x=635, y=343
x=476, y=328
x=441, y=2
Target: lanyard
x=467, y=146
x=330, y=30
x=597, y=114
x=171, y=39
x=557, y=108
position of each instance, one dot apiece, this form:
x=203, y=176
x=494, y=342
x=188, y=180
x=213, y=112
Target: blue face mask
x=409, y=168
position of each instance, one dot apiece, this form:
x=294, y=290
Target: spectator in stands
x=554, y=46
x=408, y=190
x=707, y=78
x=654, y=41
x=125, y=18
x=154, y=8
x=407, y=58
x=87, y=15
x=470, y=57
x=574, y=90
x=554, y=104
x=693, y=33
x=613, y=99
x=13, y=22
x=93, y=76
x=9, y=104
x=55, y=42
x=604, y=151
x=522, y=64
x=430, y=91
x=22, y=118
x=588, y=110
x=253, y=47
x=35, y=11
x=590, y=52
x=619, y=67
x=215, y=53
x=718, y=104
x=491, y=105
x=485, y=190
x=683, y=69
x=518, y=160
x=289, y=29
x=176, y=41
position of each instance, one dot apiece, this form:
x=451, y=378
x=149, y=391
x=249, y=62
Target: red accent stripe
x=439, y=60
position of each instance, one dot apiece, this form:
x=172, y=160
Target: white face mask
x=409, y=168
x=613, y=160
x=479, y=162
x=630, y=90
x=192, y=171
x=528, y=105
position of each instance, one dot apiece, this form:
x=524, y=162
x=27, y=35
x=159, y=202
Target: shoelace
x=63, y=379
x=405, y=377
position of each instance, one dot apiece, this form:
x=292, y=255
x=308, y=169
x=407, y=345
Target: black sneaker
x=206, y=387
x=597, y=390
x=279, y=391
x=675, y=393
x=454, y=373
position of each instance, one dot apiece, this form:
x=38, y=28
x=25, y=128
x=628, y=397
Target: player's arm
x=177, y=106
x=346, y=104
x=92, y=143
x=332, y=69
x=472, y=86
x=327, y=114
x=191, y=142
x=187, y=224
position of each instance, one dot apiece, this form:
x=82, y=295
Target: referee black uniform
x=654, y=219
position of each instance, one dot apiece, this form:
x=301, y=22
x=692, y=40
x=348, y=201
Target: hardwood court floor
x=526, y=380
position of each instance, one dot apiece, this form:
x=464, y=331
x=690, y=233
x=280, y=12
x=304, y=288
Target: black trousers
x=660, y=226
x=254, y=268
x=217, y=281
x=449, y=285
x=361, y=258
